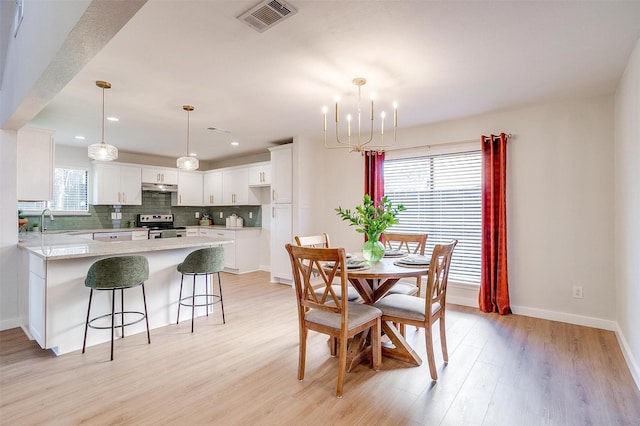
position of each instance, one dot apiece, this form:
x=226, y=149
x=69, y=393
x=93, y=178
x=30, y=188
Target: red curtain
x=374, y=174
x=494, y=283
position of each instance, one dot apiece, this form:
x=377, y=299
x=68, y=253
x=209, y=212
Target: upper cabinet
x=189, y=189
x=281, y=179
x=117, y=184
x=159, y=175
x=235, y=187
x=212, y=188
x=35, y=165
x=260, y=174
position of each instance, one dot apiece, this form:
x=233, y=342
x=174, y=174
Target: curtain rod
x=509, y=136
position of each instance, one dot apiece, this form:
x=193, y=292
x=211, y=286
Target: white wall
x=560, y=198
x=627, y=212
x=8, y=231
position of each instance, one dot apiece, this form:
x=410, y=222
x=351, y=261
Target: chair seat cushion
x=357, y=314
x=407, y=288
x=352, y=293
x=403, y=306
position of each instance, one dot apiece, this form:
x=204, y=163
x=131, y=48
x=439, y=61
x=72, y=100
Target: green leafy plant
x=372, y=218
x=206, y=217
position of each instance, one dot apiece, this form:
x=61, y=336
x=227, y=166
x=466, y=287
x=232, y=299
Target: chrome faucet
x=42, y=227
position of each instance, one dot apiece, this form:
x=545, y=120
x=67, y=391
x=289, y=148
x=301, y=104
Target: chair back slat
x=411, y=243
x=317, y=241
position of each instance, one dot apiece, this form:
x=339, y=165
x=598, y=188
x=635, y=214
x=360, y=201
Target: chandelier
x=103, y=151
x=357, y=142
x=188, y=162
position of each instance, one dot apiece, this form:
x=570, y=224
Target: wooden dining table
x=372, y=283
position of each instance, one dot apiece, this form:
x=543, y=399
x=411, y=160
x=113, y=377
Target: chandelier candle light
x=103, y=151
x=188, y=162
x=359, y=145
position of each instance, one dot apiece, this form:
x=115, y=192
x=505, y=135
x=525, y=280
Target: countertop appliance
x=160, y=226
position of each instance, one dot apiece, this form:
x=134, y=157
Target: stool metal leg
x=193, y=302
x=122, y=311
x=146, y=316
x=86, y=326
x=221, y=302
x=180, y=299
x=113, y=318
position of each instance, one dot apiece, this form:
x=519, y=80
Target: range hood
x=159, y=187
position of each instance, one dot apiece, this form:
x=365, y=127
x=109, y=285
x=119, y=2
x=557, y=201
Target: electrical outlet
x=113, y=216
x=197, y=215
x=221, y=215
x=577, y=292
x=250, y=215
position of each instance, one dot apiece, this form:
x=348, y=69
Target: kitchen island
x=53, y=268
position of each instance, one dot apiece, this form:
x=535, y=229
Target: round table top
x=386, y=268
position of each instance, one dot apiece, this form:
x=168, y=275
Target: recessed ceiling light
x=235, y=143
x=113, y=119
x=80, y=137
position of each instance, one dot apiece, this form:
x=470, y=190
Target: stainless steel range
x=160, y=226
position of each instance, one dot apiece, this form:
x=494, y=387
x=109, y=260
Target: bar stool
x=117, y=273
x=206, y=261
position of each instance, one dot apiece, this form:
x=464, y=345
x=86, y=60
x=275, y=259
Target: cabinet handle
x=273, y=195
x=157, y=177
x=162, y=177
x=273, y=212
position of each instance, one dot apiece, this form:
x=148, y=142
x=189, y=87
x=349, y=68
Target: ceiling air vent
x=267, y=14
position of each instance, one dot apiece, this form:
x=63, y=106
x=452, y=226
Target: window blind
x=442, y=194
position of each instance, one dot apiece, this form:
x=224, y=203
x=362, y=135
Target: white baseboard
x=565, y=317
x=9, y=323
x=628, y=355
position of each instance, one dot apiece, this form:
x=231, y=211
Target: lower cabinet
x=243, y=255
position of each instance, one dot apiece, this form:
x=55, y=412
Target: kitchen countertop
x=247, y=228
x=56, y=246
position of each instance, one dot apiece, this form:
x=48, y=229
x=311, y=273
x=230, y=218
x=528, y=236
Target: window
x=442, y=194
x=69, y=193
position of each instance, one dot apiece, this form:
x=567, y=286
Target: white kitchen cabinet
x=35, y=164
x=189, y=189
x=260, y=174
x=159, y=175
x=212, y=188
x=117, y=184
x=243, y=255
x=281, y=176
x=37, y=286
x=281, y=234
x=193, y=232
x=235, y=187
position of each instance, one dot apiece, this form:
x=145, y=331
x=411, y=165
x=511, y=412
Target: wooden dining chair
x=322, y=241
x=410, y=244
x=412, y=310
x=327, y=313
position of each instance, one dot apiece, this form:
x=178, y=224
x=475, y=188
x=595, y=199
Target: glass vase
x=373, y=250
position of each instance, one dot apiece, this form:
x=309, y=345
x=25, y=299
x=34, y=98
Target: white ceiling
x=440, y=60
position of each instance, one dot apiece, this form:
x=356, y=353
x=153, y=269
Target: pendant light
x=188, y=162
x=103, y=151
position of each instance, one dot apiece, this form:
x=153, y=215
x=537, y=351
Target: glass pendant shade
x=103, y=152
x=188, y=163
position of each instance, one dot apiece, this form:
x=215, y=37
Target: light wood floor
x=509, y=370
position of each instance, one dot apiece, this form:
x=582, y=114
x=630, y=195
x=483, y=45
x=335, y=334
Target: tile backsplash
x=152, y=202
